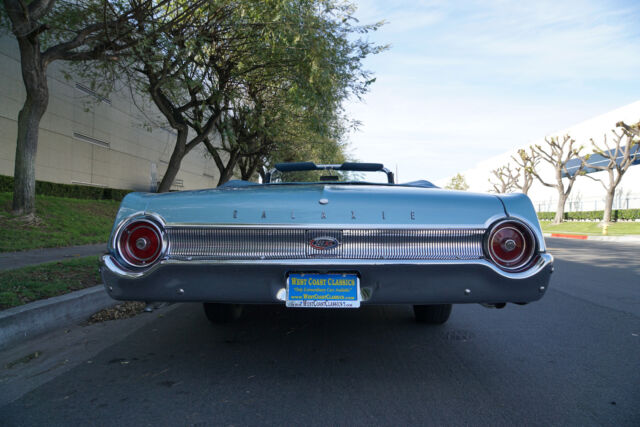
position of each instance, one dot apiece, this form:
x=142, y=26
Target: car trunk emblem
x=323, y=243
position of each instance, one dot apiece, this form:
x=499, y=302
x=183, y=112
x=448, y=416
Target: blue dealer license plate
x=334, y=290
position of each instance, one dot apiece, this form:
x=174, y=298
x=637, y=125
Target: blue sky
x=467, y=80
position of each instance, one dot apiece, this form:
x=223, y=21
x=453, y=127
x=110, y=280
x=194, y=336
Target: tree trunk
x=248, y=167
x=226, y=173
x=526, y=185
x=562, y=199
x=173, y=167
x=35, y=82
x=608, y=206
x=248, y=173
x=225, y=177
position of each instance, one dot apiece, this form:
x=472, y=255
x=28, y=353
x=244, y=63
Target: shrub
x=73, y=191
x=616, y=214
x=546, y=216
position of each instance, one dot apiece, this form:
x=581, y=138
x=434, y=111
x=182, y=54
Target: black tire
x=222, y=313
x=435, y=314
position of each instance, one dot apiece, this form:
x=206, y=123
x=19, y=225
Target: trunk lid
x=325, y=205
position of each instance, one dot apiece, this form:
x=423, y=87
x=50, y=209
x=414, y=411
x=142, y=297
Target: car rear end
x=343, y=247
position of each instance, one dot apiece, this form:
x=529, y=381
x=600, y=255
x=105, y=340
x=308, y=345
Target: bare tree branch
x=557, y=153
x=507, y=179
x=618, y=158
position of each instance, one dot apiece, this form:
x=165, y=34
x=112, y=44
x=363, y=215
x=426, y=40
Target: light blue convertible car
x=327, y=236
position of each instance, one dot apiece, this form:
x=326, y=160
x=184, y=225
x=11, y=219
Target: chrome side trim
x=331, y=226
x=109, y=262
x=352, y=225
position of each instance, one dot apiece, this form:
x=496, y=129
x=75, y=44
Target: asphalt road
x=571, y=359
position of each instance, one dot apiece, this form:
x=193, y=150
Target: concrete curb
x=621, y=239
x=36, y=318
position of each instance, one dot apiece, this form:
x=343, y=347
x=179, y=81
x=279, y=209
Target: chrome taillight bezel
x=529, y=253
x=156, y=224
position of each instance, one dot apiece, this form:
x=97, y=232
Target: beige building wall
x=86, y=139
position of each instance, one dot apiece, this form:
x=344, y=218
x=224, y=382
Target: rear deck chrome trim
x=255, y=243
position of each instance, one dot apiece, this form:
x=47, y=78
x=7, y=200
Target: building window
x=90, y=140
x=93, y=93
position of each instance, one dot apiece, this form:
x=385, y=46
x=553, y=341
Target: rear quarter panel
x=519, y=206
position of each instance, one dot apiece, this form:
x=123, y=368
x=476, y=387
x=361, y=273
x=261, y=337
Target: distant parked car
x=334, y=238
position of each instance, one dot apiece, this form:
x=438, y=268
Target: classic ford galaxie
x=332, y=238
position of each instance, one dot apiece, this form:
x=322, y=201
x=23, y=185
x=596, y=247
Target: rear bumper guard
x=382, y=281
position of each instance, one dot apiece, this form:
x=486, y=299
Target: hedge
x=616, y=214
x=68, y=190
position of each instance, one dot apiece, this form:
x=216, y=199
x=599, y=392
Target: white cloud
x=465, y=81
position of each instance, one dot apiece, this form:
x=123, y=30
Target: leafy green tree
x=240, y=75
x=300, y=105
x=457, y=182
x=267, y=133
x=55, y=30
x=188, y=71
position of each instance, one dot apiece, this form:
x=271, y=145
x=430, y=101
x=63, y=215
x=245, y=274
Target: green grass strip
x=591, y=228
x=60, y=222
x=24, y=285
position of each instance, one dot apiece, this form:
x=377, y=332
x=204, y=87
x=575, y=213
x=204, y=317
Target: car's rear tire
x=222, y=313
x=435, y=314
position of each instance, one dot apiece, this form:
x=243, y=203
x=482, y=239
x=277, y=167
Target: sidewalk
x=38, y=317
x=11, y=260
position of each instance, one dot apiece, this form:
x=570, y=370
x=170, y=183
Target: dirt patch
x=120, y=311
x=24, y=222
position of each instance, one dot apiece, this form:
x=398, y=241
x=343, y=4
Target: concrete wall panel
x=126, y=161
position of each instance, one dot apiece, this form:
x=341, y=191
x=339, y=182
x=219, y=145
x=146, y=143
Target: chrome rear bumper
x=381, y=281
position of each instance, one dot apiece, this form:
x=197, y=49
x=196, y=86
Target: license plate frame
x=323, y=290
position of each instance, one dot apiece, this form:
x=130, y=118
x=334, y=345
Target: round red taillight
x=140, y=243
x=511, y=245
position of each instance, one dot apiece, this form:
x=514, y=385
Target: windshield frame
x=347, y=167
